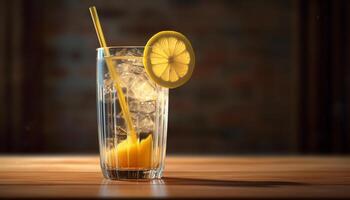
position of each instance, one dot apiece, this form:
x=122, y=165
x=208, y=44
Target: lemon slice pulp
x=169, y=59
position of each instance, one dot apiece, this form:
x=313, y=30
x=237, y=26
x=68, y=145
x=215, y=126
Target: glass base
x=132, y=174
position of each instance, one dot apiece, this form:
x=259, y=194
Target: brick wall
x=241, y=98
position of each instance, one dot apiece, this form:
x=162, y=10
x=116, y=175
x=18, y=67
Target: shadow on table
x=227, y=183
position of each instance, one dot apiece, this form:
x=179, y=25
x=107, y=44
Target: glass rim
x=121, y=47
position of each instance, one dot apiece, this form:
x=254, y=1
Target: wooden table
x=185, y=177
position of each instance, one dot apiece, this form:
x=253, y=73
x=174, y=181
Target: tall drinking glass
x=120, y=156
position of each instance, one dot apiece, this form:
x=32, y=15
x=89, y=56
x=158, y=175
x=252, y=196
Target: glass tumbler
x=120, y=156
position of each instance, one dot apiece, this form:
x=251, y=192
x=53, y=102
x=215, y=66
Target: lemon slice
x=169, y=59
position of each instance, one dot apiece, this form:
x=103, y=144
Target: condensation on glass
x=121, y=158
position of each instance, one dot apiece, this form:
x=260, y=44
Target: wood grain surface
x=185, y=177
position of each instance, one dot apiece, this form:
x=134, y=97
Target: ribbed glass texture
x=121, y=157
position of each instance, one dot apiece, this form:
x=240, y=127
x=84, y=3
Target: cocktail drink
x=123, y=155
x=132, y=98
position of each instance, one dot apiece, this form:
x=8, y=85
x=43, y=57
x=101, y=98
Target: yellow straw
x=113, y=73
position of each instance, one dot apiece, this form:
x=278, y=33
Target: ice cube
x=137, y=68
x=142, y=89
x=143, y=123
x=121, y=52
x=146, y=125
x=108, y=90
x=145, y=107
x=131, y=66
x=134, y=52
x=122, y=68
x=129, y=74
x=120, y=124
x=107, y=82
x=127, y=79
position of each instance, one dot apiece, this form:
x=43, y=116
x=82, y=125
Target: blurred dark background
x=272, y=77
